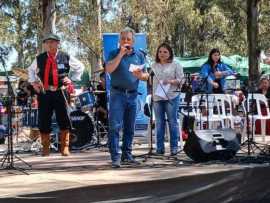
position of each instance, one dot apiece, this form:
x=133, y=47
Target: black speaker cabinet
x=206, y=145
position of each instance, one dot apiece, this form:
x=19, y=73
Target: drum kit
x=87, y=130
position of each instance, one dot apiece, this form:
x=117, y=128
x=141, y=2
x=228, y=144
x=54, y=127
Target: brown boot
x=64, y=137
x=45, y=141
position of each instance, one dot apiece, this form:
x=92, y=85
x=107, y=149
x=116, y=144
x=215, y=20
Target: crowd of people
x=50, y=86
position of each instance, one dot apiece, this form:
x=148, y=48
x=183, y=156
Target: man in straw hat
x=48, y=74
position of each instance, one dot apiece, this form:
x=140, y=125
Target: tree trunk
x=48, y=11
x=252, y=32
x=20, y=47
x=99, y=31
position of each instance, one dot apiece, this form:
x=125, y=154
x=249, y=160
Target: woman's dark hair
x=210, y=60
x=168, y=47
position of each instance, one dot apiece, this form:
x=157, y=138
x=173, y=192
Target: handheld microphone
x=128, y=47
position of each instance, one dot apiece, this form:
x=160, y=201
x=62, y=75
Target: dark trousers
x=48, y=103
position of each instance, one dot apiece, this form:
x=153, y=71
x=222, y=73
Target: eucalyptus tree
x=18, y=28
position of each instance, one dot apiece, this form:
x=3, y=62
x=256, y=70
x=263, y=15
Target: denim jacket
x=207, y=75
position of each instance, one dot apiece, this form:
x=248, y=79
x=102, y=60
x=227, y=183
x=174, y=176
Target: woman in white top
x=166, y=82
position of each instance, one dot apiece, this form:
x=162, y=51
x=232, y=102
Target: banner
x=110, y=42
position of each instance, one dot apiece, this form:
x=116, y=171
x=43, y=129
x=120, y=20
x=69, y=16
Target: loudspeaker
x=206, y=145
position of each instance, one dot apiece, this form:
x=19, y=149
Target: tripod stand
x=252, y=146
x=9, y=157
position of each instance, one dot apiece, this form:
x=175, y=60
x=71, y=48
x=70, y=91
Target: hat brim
x=58, y=40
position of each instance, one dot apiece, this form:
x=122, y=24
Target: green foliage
x=18, y=28
x=192, y=27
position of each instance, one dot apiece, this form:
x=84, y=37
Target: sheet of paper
x=162, y=91
x=133, y=67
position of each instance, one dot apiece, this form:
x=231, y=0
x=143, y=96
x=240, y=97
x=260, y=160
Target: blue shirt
x=207, y=74
x=121, y=77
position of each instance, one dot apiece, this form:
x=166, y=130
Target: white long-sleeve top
x=75, y=72
x=168, y=71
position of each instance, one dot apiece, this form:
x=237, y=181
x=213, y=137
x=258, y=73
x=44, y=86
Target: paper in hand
x=162, y=91
x=133, y=67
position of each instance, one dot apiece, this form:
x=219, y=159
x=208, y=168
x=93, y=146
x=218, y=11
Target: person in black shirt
x=24, y=91
x=264, y=88
x=101, y=104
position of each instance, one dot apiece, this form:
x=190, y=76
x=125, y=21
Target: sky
x=12, y=57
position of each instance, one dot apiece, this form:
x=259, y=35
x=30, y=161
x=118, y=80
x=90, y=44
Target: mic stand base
x=252, y=147
x=8, y=164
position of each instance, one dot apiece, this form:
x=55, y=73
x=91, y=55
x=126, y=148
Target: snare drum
x=86, y=99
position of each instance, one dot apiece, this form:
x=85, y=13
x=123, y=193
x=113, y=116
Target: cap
x=52, y=37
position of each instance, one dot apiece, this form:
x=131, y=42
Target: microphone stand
x=204, y=83
x=9, y=157
x=250, y=132
x=150, y=153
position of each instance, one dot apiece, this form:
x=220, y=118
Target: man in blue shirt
x=123, y=96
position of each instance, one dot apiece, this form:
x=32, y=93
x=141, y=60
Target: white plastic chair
x=201, y=107
x=226, y=111
x=254, y=107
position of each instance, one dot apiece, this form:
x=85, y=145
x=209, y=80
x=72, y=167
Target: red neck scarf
x=51, y=63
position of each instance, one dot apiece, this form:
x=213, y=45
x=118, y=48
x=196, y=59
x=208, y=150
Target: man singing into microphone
x=124, y=64
x=49, y=75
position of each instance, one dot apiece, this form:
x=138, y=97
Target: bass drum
x=83, y=129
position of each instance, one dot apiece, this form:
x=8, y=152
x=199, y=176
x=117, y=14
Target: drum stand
x=98, y=127
x=9, y=157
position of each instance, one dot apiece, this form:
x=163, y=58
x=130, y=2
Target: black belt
x=124, y=90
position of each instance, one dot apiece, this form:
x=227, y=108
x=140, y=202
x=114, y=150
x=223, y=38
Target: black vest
x=62, y=60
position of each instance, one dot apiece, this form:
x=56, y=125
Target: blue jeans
x=170, y=108
x=122, y=113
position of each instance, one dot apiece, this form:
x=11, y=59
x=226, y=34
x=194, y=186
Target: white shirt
x=76, y=70
x=168, y=71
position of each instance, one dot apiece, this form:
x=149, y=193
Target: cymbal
x=99, y=91
x=22, y=73
x=99, y=70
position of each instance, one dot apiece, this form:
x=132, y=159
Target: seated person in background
x=101, y=105
x=25, y=90
x=265, y=57
x=264, y=88
x=213, y=73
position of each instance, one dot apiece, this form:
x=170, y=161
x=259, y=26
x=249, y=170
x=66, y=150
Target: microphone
x=128, y=47
x=151, y=72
